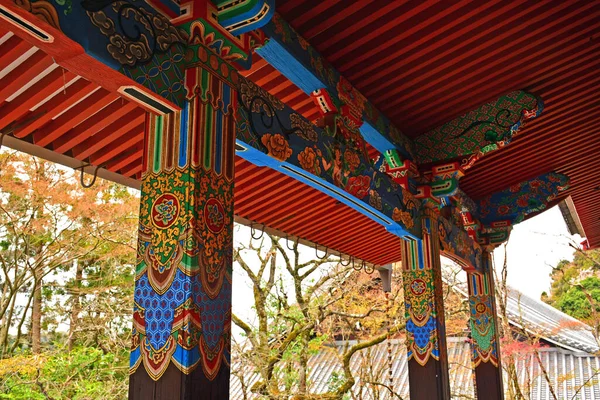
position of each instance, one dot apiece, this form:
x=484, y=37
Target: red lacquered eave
x=427, y=64
x=421, y=65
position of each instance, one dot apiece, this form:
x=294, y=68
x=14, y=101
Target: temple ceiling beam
x=302, y=64
x=330, y=156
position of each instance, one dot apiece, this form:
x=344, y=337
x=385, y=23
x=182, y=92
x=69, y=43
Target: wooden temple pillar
x=483, y=323
x=425, y=326
x=182, y=313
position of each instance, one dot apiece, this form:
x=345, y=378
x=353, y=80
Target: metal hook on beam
x=253, y=231
x=369, y=269
x=354, y=265
x=82, y=168
x=317, y=252
x=287, y=242
x=348, y=263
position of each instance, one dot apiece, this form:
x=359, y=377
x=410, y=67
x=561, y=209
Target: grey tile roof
x=549, y=323
x=536, y=316
x=574, y=375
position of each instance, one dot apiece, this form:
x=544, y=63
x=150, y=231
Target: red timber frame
x=184, y=107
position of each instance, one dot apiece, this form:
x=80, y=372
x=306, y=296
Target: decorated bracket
x=458, y=246
x=516, y=202
x=402, y=171
x=480, y=131
x=444, y=179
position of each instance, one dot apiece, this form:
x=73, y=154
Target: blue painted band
x=276, y=55
x=263, y=160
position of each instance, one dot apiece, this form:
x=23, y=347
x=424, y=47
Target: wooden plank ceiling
x=421, y=65
x=427, y=63
x=43, y=104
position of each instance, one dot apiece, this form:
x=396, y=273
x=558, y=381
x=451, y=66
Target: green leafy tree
x=581, y=300
x=575, y=286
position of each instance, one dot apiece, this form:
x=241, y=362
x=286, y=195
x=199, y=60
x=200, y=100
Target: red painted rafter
x=23, y=73
x=130, y=139
x=20, y=106
x=110, y=134
x=73, y=117
x=52, y=108
x=12, y=49
x=113, y=112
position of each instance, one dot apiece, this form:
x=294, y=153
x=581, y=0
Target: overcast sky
x=534, y=247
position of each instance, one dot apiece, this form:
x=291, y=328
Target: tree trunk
x=303, y=369
x=36, y=316
x=6, y=326
x=75, y=305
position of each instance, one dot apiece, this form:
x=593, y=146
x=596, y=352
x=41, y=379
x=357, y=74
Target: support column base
x=174, y=385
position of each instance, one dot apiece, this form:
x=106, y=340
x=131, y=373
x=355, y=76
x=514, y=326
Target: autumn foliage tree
x=59, y=242
x=301, y=303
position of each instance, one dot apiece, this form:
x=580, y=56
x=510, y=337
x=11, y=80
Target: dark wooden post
x=484, y=333
x=182, y=312
x=425, y=327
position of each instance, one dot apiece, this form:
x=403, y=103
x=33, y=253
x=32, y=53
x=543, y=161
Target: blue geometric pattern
x=159, y=308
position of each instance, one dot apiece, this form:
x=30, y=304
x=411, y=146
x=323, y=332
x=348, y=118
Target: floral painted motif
x=338, y=156
x=277, y=146
x=310, y=161
x=358, y=186
x=352, y=160
x=375, y=200
x=522, y=199
x=214, y=215
x=165, y=210
x=403, y=216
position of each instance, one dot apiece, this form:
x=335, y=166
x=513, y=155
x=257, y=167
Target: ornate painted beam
x=295, y=58
x=153, y=48
x=332, y=159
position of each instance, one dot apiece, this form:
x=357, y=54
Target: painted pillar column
x=484, y=333
x=182, y=301
x=425, y=327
